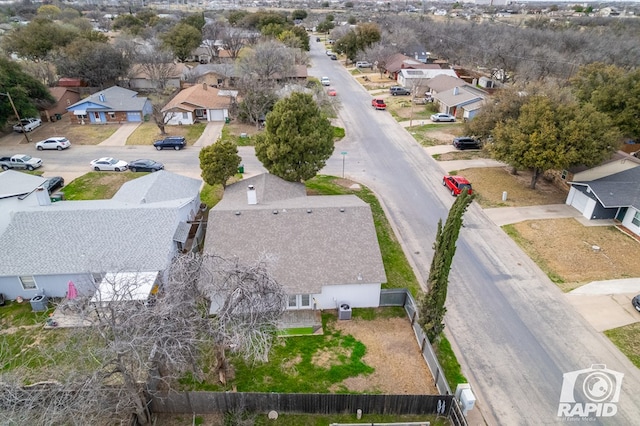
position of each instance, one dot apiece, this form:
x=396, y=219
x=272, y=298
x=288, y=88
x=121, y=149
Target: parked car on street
x=145, y=165
x=317, y=38
x=109, y=164
x=20, y=161
x=457, y=184
x=442, y=117
x=56, y=142
x=328, y=52
x=378, y=103
x=636, y=302
x=466, y=142
x=332, y=92
x=53, y=183
x=28, y=124
x=325, y=81
x=399, y=90
x=333, y=57
x=174, y=142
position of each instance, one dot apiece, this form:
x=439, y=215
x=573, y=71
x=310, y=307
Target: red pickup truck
x=378, y=103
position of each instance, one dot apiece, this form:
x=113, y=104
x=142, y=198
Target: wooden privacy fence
x=313, y=403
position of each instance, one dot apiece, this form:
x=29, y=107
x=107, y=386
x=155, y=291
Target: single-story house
x=172, y=76
x=412, y=78
x=461, y=101
x=398, y=61
x=64, y=96
x=441, y=83
x=44, y=245
x=323, y=250
x=199, y=103
x=214, y=75
x=615, y=196
x=113, y=105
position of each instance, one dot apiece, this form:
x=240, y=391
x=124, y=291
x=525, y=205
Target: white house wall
x=627, y=221
x=179, y=118
x=356, y=295
x=50, y=285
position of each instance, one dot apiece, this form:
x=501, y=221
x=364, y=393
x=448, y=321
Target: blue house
x=113, y=105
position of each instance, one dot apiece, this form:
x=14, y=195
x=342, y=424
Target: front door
x=96, y=117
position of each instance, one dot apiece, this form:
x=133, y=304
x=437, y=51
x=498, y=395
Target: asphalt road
x=514, y=333
x=513, y=330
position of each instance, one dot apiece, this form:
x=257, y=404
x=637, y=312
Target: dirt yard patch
x=564, y=248
x=393, y=352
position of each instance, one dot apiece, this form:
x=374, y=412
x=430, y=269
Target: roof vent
x=342, y=209
x=359, y=276
x=101, y=97
x=456, y=91
x=252, y=197
x=275, y=212
x=309, y=210
x=237, y=213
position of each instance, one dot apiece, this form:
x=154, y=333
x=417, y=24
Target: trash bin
x=39, y=303
x=241, y=168
x=344, y=311
x=58, y=196
x=227, y=120
x=58, y=116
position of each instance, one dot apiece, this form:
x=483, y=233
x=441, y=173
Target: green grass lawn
x=97, y=185
x=626, y=338
x=147, y=133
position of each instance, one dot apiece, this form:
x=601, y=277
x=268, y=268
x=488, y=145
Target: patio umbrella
x=72, y=292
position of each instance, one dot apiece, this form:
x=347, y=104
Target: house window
x=636, y=219
x=305, y=300
x=293, y=301
x=564, y=174
x=28, y=283
x=112, y=115
x=185, y=115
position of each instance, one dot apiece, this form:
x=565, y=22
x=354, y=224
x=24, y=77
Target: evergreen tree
x=219, y=162
x=431, y=305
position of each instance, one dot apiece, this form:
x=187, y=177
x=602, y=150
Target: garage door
x=134, y=117
x=578, y=200
x=216, y=115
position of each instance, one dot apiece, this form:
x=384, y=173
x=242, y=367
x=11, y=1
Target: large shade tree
x=548, y=135
x=182, y=40
x=97, y=63
x=219, y=161
x=38, y=38
x=297, y=141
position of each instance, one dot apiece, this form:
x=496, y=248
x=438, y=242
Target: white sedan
x=442, y=117
x=109, y=163
x=56, y=142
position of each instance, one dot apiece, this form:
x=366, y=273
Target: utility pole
x=15, y=111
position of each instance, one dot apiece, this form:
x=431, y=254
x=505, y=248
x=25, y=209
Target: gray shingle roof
x=618, y=190
x=69, y=237
x=157, y=187
x=310, y=242
x=13, y=183
x=115, y=98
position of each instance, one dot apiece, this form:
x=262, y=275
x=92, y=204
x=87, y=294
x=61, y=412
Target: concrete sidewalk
x=507, y=215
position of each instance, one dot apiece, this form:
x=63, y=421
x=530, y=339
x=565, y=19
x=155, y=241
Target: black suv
x=175, y=142
x=466, y=142
x=399, y=90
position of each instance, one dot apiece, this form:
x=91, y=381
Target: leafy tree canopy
x=182, y=40
x=551, y=135
x=26, y=92
x=219, y=162
x=129, y=23
x=35, y=40
x=98, y=63
x=297, y=141
x=196, y=21
x=299, y=14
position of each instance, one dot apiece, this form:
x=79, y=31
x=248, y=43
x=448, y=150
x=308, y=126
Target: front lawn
x=626, y=338
x=98, y=185
x=148, y=132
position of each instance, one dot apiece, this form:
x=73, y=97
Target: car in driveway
x=442, y=117
x=466, y=142
x=56, y=142
x=399, y=90
x=145, y=165
x=457, y=184
x=173, y=142
x=109, y=164
x=364, y=64
x=378, y=103
x=27, y=124
x=636, y=302
x=53, y=183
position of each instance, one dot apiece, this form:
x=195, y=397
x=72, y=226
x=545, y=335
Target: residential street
x=513, y=330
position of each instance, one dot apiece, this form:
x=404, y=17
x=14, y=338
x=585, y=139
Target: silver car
x=56, y=142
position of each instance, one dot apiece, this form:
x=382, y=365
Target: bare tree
x=139, y=345
x=158, y=65
x=267, y=61
x=211, y=33
x=158, y=101
x=379, y=55
x=234, y=40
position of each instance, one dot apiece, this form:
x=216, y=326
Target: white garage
x=581, y=202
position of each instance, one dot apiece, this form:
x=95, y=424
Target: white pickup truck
x=28, y=124
x=20, y=161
